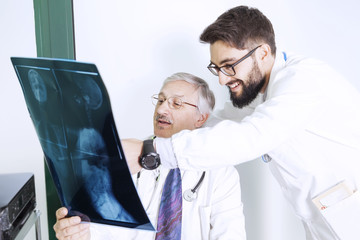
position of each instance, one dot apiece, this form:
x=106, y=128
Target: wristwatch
x=149, y=159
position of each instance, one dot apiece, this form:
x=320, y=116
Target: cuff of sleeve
x=165, y=149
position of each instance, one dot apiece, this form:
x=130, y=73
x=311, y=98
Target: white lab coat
x=217, y=213
x=309, y=125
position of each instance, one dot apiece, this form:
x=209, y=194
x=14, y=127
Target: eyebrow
x=226, y=60
x=163, y=94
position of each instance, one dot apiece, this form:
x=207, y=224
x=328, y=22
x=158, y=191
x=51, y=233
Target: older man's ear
x=201, y=120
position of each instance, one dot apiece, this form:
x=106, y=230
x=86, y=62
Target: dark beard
x=250, y=90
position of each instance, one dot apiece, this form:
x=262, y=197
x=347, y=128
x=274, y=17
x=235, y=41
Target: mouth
x=234, y=85
x=162, y=120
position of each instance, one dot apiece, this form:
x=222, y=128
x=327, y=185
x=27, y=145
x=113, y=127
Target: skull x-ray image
x=70, y=109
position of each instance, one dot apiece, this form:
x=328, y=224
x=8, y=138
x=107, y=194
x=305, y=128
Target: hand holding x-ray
x=70, y=228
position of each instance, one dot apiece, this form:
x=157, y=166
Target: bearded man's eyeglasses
x=229, y=70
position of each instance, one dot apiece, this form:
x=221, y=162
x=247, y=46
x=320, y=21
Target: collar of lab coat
x=279, y=64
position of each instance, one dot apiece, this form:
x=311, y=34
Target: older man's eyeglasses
x=173, y=102
x=229, y=70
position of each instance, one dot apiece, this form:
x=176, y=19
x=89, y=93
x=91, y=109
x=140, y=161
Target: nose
x=163, y=108
x=223, y=79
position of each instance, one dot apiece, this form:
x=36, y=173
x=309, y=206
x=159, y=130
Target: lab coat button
x=266, y=158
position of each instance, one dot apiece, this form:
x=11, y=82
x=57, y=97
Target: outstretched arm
x=132, y=149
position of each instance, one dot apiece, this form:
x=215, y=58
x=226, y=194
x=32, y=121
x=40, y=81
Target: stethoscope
x=191, y=194
x=157, y=173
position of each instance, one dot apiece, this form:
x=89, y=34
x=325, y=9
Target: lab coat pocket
x=344, y=217
x=205, y=222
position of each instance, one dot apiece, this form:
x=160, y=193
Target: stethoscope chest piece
x=190, y=195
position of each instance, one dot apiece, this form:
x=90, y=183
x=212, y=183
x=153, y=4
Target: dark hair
x=241, y=27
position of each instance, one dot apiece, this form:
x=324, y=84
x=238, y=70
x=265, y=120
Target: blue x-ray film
x=70, y=109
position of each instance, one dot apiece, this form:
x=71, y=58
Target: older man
x=211, y=200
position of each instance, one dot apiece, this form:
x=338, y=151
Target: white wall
x=19, y=148
x=136, y=44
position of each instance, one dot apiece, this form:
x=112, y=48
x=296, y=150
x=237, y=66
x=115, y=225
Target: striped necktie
x=169, y=219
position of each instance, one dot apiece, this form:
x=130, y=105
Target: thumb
x=61, y=213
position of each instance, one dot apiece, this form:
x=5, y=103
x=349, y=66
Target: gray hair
x=206, y=98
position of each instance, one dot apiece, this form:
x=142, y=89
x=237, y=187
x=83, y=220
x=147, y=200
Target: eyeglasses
x=229, y=70
x=173, y=102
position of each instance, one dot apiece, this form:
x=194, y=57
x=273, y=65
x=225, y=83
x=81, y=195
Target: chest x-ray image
x=70, y=109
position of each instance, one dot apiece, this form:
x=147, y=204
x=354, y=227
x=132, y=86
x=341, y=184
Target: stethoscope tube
x=191, y=194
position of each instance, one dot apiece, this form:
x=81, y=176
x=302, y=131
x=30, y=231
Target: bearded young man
x=306, y=127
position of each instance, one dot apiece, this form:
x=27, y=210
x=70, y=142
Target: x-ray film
x=70, y=109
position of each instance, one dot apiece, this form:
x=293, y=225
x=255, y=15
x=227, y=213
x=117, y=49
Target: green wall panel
x=54, y=29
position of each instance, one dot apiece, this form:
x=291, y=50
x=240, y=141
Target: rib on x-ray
x=70, y=109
